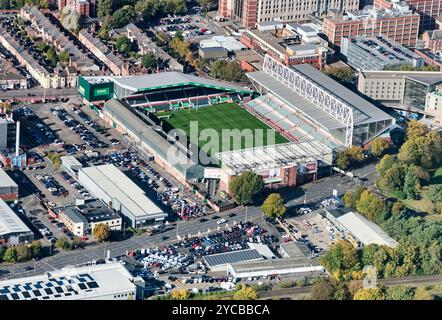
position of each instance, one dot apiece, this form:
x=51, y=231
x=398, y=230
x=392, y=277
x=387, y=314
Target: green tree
x=274, y=206
x=123, y=16
x=149, y=61
x=416, y=129
x=351, y=198
x=2, y=253
x=227, y=70
x=51, y=56
x=148, y=9
x=36, y=249
x=123, y=44
x=412, y=186
x=245, y=293
x=63, y=56
x=422, y=294
x=23, y=253
x=399, y=293
x=398, y=208
x=62, y=243
x=343, y=160
x=393, y=178
x=435, y=193
x=386, y=163
x=104, y=8
x=245, y=186
x=379, y=146
x=322, y=290
x=410, y=152
x=340, y=74
x=101, y=232
x=10, y=255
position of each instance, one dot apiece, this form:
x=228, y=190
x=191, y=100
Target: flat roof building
x=377, y=53
x=115, y=189
x=219, y=261
x=12, y=229
x=8, y=187
x=110, y=281
x=399, y=23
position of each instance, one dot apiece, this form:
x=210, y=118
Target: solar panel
x=92, y=285
x=232, y=257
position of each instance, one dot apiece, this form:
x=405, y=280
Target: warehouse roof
x=119, y=187
x=232, y=257
x=276, y=265
x=91, y=282
x=366, y=231
x=10, y=222
x=5, y=180
x=170, y=79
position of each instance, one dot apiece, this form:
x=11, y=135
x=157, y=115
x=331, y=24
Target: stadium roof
x=91, y=282
x=232, y=257
x=171, y=79
x=363, y=111
x=118, y=186
x=366, y=231
x=5, y=180
x=274, y=156
x=10, y=223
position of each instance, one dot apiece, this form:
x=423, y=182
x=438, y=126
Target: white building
x=116, y=190
x=12, y=229
x=109, y=281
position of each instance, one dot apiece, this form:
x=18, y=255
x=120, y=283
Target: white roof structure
x=366, y=231
x=10, y=223
x=5, y=180
x=97, y=282
x=119, y=187
x=274, y=156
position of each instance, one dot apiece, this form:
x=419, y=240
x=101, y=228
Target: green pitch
x=218, y=117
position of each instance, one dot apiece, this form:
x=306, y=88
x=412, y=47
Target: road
x=39, y=93
x=303, y=291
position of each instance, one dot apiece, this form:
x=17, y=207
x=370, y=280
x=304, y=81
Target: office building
x=377, y=53
x=8, y=132
x=433, y=104
x=399, y=89
x=116, y=190
x=12, y=229
x=110, y=281
x=398, y=23
x=250, y=12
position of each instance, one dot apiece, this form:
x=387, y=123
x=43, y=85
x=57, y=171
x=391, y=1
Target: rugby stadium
x=305, y=115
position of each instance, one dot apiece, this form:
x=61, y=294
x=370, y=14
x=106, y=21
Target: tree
x=10, y=255
x=350, y=156
x=245, y=186
x=36, y=249
x=422, y=294
x=369, y=294
x=63, y=56
x=182, y=294
x=101, y=232
x=149, y=61
x=148, y=9
x=2, y=253
x=123, y=16
x=343, y=160
x=340, y=74
x=227, y=70
x=386, y=163
x=341, y=259
x=23, y=253
x=416, y=129
x=371, y=206
x=351, y=198
x=393, y=178
x=398, y=208
x=245, y=293
x=356, y=153
x=51, y=56
x=322, y=290
x=63, y=243
x=379, y=146
x=435, y=193
x=412, y=186
x=274, y=206
x=123, y=44
x=410, y=152
x=104, y=8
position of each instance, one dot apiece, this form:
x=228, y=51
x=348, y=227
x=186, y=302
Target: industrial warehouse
x=307, y=114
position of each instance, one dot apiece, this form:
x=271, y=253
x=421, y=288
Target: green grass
x=218, y=117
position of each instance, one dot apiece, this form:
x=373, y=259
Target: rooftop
x=90, y=211
x=296, y=250
x=232, y=257
x=276, y=264
x=399, y=9
x=5, y=180
x=119, y=187
x=10, y=221
x=274, y=156
x=69, y=283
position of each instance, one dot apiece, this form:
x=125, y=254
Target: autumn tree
x=386, y=163
x=369, y=294
x=274, y=206
x=245, y=186
x=101, y=232
x=322, y=290
x=416, y=129
x=371, y=206
x=398, y=208
x=245, y=293
x=182, y=294
x=379, y=146
x=63, y=243
x=412, y=186
x=352, y=155
x=351, y=198
x=422, y=293
x=341, y=260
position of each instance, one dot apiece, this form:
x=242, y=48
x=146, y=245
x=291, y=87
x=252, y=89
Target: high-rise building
x=250, y=12
x=7, y=133
x=398, y=23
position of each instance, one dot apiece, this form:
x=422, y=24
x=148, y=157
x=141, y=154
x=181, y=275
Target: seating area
x=289, y=121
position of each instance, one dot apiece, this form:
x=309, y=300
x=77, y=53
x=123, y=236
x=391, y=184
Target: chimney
x=17, y=138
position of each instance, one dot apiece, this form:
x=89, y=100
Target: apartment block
x=250, y=12
x=398, y=23
x=433, y=40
